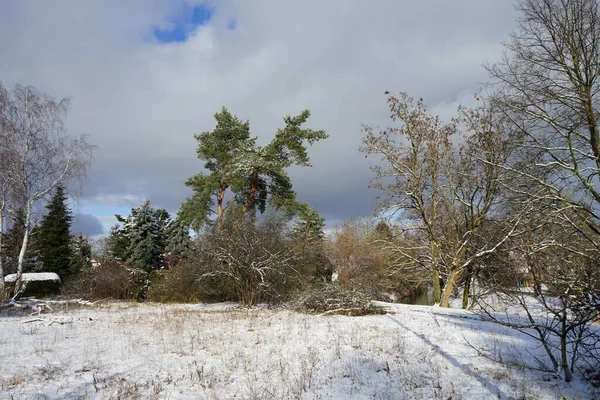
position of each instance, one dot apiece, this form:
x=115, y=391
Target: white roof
x=31, y=277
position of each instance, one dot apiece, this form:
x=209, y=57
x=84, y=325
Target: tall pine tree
x=54, y=235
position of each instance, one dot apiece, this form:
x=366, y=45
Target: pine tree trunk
x=222, y=190
x=252, y=194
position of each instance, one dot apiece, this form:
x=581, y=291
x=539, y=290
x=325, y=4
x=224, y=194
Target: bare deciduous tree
x=548, y=86
x=41, y=154
x=447, y=180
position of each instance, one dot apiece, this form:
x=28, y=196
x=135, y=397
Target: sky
x=145, y=75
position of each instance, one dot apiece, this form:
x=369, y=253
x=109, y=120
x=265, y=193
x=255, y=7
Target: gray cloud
x=87, y=225
x=141, y=101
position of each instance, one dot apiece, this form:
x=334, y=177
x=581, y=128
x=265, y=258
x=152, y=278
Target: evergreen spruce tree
x=13, y=239
x=54, y=235
x=118, y=242
x=81, y=250
x=145, y=231
x=308, y=234
x=178, y=242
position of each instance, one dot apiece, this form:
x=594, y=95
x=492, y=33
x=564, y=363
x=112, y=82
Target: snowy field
x=151, y=351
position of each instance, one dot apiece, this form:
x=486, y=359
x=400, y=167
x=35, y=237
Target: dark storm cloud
x=141, y=101
x=87, y=225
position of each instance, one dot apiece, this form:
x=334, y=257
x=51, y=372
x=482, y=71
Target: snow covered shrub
x=334, y=299
x=252, y=257
x=113, y=279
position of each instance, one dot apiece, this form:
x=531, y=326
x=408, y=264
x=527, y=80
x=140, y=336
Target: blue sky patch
x=184, y=23
x=232, y=24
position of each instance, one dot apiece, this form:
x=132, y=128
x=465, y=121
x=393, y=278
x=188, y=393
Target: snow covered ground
x=147, y=351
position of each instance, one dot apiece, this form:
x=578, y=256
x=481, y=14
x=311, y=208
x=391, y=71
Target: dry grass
x=131, y=351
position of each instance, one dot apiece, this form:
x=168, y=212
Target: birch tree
x=5, y=179
x=42, y=155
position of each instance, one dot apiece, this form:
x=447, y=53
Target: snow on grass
x=129, y=350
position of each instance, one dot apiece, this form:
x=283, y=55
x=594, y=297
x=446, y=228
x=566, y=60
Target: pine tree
x=54, y=235
x=81, y=250
x=309, y=226
x=256, y=175
x=178, y=242
x=13, y=239
x=308, y=233
x=218, y=148
x=118, y=242
x=145, y=231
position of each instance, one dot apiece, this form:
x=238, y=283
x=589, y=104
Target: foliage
x=54, y=236
x=145, y=230
x=81, y=251
x=218, y=148
x=178, y=242
x=141, y=238
x=12, y=241
x=357, y=260
x=117, y=243
x=308, y=244
x=256, y=175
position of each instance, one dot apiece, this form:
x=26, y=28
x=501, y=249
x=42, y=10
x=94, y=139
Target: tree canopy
x=256, y=175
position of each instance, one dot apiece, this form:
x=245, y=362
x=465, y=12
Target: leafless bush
x=116, y=280
x=176, y=285
x=356, y=258
x=254, y=258
x=334, y=299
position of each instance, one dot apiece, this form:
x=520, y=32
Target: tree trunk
x=222, y=190
x=467, y=289
x=2, y=293
x=2, y=208
x=564, y=361
x=18, y=281
x=445, y=300
x=252, y=194
x=437, y=290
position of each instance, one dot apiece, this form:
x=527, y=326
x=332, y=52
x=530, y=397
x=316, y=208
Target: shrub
x=334, y=299
x=116, y=280
x=178, y=284
x=251, y=259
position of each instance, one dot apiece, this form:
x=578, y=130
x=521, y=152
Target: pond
x=418, y=298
